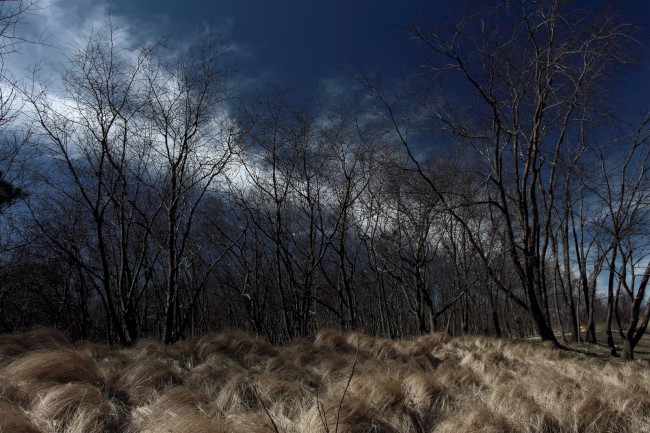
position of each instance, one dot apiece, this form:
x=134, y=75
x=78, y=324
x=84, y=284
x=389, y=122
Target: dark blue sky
x=291, y=43
x=303, y=43
x=295, y=42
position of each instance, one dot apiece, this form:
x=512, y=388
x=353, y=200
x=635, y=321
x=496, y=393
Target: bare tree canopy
x=494, y=189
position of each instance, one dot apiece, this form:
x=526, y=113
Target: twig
x=266, y=410
x=321, y=414
x=345, y=391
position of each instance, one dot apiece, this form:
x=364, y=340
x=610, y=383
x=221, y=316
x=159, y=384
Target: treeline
x=492, y=192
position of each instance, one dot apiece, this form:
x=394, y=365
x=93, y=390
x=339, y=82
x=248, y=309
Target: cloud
x=57, y=27
x=51, y=35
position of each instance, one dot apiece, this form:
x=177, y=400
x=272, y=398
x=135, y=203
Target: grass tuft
x=14, y=420
x=75, y=408
x=55, y=366
x=146, y=378
x=12, y=345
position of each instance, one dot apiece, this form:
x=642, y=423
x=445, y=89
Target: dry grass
x=14, y=420
x=338, y=383
x=55, y=366
x=12, y=345
x=75, y=407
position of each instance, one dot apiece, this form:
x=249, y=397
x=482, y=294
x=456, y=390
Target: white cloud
x=56, y=28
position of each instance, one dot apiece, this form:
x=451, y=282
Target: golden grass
x=239, y=346
x=75, y=408
x=180, y=409
x=145, y=378
x=12, y=345
x=234, y=382
x=56, y=366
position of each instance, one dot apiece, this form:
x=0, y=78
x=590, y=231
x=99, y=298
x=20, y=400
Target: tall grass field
x=337, y=383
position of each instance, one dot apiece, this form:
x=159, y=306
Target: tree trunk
x=628, y=350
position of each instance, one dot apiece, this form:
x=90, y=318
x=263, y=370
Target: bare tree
x=87, y=130
x=624, y=194
x=349, y=176
x=529, y=73
x=15, y=134
x=140, y=134
x=193, y=139
x=287, y=164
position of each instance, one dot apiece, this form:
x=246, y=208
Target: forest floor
x=600, y=350
x=336, y=383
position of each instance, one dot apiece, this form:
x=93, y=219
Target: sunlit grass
x=233, y=382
